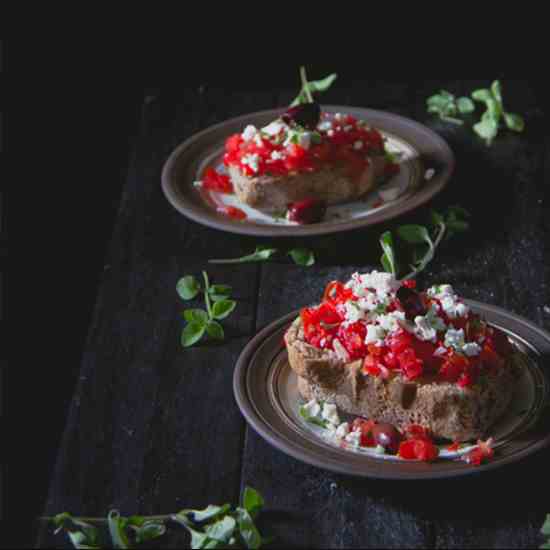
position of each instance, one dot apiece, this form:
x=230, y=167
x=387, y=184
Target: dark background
x=88, y=121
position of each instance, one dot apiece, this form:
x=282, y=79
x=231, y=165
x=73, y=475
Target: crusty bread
x=331, y=183
x=447, y=410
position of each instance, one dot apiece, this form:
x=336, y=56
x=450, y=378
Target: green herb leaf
x=514, y=122
x=465, y=105
x=208, y=513
x=436, y=217
x=222, y=530
x=195, y=315
x=149, y=530
x=309, y=87
x=250, y=535
x=546, y=527
x=312, y=419
x=414, y=234
x=496, y=91
x=261, y=254
x=323, y=84
x=214, y=329
x=302, y=256
x=253, y=502
x=222, y=308
x=388, y=258
x=192, y=333
x=116, y=530
x=219, y=292
x=494, y=110
x=452, y=120
x=482, y=95
x=487, y=129
x=188, y=287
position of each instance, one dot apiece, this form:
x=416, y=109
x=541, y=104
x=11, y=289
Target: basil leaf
x=250, y=535
x=487, y=129
x=386, y=242
x=188, y=287
x=323, y=84
x=514, y=122
x=253, y=502
x=222, y=308
x=482, y=95
x=496, y=91
x=302, y=256
x=221, y=530
x=465, y=105
x=192, y=333
x=116, y=530
x=414, y=234
x=197, y=315
x=214, y=329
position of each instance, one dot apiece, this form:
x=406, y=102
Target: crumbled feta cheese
x=342, y=430
x=375, y=334
x=391, y=321
x=382, y=283
x=251, y=160
x=439, y=291
x=258, y=140
x=330, y=413
x=324, y=126
x=249, y=132
x=353, y=312
x=370, y=302
x=358, y=145
x=197, y=183
x=273, y=128
x=471, y=348
x=312, y=408
x=454, y=338
x=354, y=438
x=277, y=155
x=380, y=450
x=428, y=175
x=304, y=139
x=429, y=325
x=453, y=308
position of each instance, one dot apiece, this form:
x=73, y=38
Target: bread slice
x=332, y=184
x=447, y=410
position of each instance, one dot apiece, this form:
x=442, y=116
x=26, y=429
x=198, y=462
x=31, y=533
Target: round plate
x=266, y=391
x=420, y=148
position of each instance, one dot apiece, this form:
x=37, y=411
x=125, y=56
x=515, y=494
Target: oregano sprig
x=300, y=256
x=199, y=321
x=546, y=532
x=447, y=106
x=212, y=527
x=424, y=240
x=312, y=86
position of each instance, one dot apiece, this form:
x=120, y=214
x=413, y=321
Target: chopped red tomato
x=215, y=181
x=352, y=337
x=418, y=449
x=365, y=427
x=454, y=447
x=416, y=431
x=232, y=212
x=482, y=453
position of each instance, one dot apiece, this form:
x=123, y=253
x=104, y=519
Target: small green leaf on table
x=302, y=256
x=192, y=333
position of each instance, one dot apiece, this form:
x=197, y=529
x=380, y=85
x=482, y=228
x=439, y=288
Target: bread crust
x=331, y=184
x=447, y=410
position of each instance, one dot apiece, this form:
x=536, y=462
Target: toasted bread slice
x=447, y=410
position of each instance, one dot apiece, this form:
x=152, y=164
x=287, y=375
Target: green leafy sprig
x=300, y=256
x=546, y=532
x=447, y=106
x=213, y=527
x=423, y=239
x=200, y=321
x=312, y=86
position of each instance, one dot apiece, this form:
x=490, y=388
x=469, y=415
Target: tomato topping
x=418, y=449
x=416, y=431
x=215, y=181
x=454, y=447
x=232, y=212
x=482, y=453
x=365, y=427
x=352, y=337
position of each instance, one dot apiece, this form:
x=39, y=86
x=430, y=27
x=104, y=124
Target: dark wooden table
x=154, y=428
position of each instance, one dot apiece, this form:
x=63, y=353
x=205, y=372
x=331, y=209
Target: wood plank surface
x=154, y=428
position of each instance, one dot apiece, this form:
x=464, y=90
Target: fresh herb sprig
x=424, y=240
x=213, y=527
x=546, y=532
x=311, y=86
x=448, y=107
x=200, y=321
x=304, y=413
x=300, y=256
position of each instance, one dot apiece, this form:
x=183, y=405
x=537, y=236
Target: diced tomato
x=352, y=337
x=409, y=283
x=365, y=427
x=233, y=143
x=455, y=446
x=337, y=293
x=482, y=453
x=416, y=431
x=454, y=366
x=390, y=360
x=411, y=366
x=232, y=212
x=418, y=449
x=215, y=181
x=399, y=341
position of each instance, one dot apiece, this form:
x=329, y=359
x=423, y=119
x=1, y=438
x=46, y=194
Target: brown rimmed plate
x=421, y=149
x=266, y=392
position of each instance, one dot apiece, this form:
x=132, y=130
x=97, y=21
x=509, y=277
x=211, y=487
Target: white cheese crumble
x=312, y=408
x=353, y=312
x=197, y=183
x=358, y=145
x=330, y=414
x=382, y=283
x=342, y=430
x=454, y=338
x=249, y=132
x=427, y=326
x=391, y=322
x=304, y=139
x=471, y=348
x=451, y=304
x=258, y=140
x=273, y=128
x=277, y=155
x=251, y=160
x=380, y=450
x=375, y=334
x=325, y=125
x=354, y=438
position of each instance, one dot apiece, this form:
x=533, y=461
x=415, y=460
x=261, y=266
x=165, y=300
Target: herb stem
x=429, y=255
x=305, y=85
x=249, y=258
x=207, y=295
x=105, y=520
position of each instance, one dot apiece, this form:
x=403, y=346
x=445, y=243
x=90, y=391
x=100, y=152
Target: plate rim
x=267, y=433
x=198, y=215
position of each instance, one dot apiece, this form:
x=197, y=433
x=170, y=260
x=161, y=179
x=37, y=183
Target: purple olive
x=307, y=211
x=387, y=436
x=412, y=302
x=306, y=115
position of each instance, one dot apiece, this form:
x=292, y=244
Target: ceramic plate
x=266, y=391
x=420, y=150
